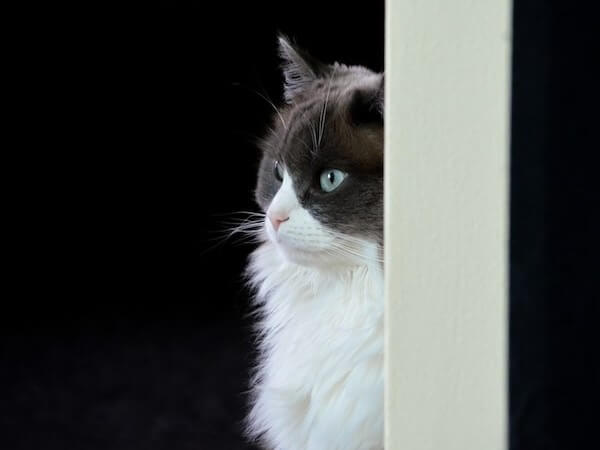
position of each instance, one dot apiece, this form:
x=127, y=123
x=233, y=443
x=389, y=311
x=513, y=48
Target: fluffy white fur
x=319, y=381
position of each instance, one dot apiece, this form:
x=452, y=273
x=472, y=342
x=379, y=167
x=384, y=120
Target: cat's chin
x=300, y=257
x=310, y=258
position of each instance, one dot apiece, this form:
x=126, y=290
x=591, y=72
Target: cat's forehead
x=317, y=126
x=324, y=135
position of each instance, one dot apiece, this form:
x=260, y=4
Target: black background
x=122, y=326
x=554, y=266
x=126, y=327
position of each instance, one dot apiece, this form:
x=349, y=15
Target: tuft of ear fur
x=299, y=68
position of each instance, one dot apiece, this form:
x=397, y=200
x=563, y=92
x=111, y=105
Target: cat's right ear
x=366, y=105
x=299, y=68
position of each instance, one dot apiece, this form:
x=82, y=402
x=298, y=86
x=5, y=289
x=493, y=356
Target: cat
x=318, y=272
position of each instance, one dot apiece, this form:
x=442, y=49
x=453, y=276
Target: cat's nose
x=277, y=220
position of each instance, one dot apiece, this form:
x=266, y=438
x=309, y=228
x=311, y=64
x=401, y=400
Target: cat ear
x=299, y=68
x=366, y=105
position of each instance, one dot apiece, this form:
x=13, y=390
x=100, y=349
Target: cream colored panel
x=446, y=206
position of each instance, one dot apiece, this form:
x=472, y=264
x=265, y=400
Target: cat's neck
x=278, y=281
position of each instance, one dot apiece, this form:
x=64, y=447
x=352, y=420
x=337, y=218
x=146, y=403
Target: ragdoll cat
x=318, y=273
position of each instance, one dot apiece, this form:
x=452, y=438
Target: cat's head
x=320, y=181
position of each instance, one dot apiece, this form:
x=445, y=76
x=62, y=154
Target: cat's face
x=320, y=180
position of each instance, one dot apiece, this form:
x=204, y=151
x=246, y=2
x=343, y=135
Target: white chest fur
x=319, y=382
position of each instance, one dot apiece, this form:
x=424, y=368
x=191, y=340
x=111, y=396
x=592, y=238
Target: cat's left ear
x=299, y=69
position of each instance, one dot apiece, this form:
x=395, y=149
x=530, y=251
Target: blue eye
x=278, y=171
x=331, y=179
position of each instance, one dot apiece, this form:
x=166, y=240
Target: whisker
x=245, y=229
x=351, y=250
x=266, y=100
x=275, y=108
x=324, y=109
x=349, y=238
x=248, y=213
x=313, y=132
x=355, y=252
x=305, y=144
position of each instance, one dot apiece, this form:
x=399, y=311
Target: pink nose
x=277, y=220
